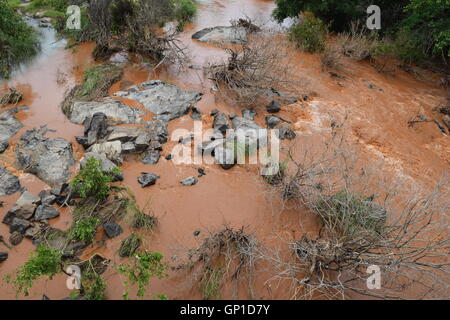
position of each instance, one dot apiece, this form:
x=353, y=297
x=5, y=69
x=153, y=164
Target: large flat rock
x=220, y=34
x=164, y=99
x=47, y=158
x=116, y=111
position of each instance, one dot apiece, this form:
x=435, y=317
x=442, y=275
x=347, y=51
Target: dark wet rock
x=25, y=206
x=214, y=112
x=47, y=197
x=116, y=111
x=232, y=116
x=45, y=212
x=15, y=238
x=274, y=106
x=147, y=179
x=169, y=157
x=44, y=297
x=10, y=184
x=196, y=114
x=201, y=172
x=19, y=225
x=196, y=233
x=285, y=133
x=129, y=245
x=9, y=126
x=249, y=114
x=158, y=130
x=225, y=157
x=126, y=134
x=186, y=140
x=272, y=121
x=112, y=229
x=106, y=165
x=220, y=123
x=445, y=110
x=95, y=129
x=151, y=157
x=47, y=158
x=3, y=256
x=165, y=100
x=190, y=181
x=220, y=34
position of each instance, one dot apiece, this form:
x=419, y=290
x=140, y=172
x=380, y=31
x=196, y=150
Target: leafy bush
x=94, y=286
x=44, y=262
x=143, y=267
x=18, y=41
x=184, y=11
x=310, y=34
x=91, y=181
x=84, y=229
x=58, y=5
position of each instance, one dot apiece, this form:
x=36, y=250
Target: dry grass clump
x=331, y=58
x=357, y=43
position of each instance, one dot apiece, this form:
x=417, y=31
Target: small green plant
x=91, y=181
x=43, y=262
x=143, y=267
x=210, y=284
x=351, y=214
x=84, y=229
x=94, y=286
x=162, y=296
x=310, y=34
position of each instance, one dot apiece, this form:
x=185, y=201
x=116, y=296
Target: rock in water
x=274, y=106
x=9, y=183
x=190, y=181
x=225, y=157
x=151, y=157
x=218, y=35
x=25, y=206
x=9, y=126
x=3, y=256
x=148, y=179
x=48, y=158
x=112, y=229
x=15, y=238
x=45, y=212
x=165, y=100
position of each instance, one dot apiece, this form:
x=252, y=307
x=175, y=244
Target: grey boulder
x=45, y=212
x=10, y=184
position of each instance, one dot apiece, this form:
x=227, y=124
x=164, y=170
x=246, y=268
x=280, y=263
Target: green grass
x=210, y=284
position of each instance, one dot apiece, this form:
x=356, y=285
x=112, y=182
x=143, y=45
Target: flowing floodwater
x=377, y=125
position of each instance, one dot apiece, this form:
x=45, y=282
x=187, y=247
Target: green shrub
x=310, y=34
x=18, y=41
x=43, y=262
x=210, y=284
x=58, y=5
x=141, y=270
x=184, y=11
x=94, y=286
x=351, y=214
x=91, y=181
x=84, y=229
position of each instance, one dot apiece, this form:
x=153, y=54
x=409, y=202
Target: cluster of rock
x=9, y=126
x=30, y=215
x=109, y=144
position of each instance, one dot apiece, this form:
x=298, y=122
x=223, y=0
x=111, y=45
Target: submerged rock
x=112, y=229
x=10, y=184
x=47, y=158
x=190, y=181
x=220, y=34
x=147, y=179
x=9, y=126
x=116, y=111
x=15, y=238
x=274, y=106
x=165, y=100
x=225, y=157
x=151, y=157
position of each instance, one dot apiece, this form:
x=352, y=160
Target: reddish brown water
x=377, y=122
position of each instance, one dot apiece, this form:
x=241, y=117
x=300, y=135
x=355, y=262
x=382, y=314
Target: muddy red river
x=376, y=125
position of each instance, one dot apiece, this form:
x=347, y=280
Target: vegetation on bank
x=412, y=30
x=18, y=41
